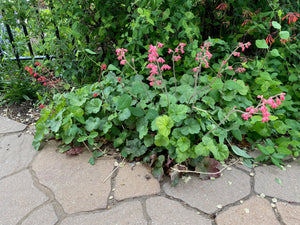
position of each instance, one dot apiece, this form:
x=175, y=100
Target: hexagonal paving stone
x=125, y=213
x=16, y=153
x=207, y=194
x=164, y=211
x=9, y=126
x=289, y=189
x=290, y=213
x=43, y=216
x=18, y=196
x=252, y=212
x=135, y=181
x=76, y=184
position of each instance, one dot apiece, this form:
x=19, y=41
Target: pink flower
x=170, y=50
x=195, y=69
x=230, y=68
x=123, y=62
x=160, y=60
x=37, y=64
x=246, y=116
x=165, y=67
x=222, y=6
x=282, y=96
x=41, y=106
x=159, y=45
x=35, y=74
x=95, y=95
x=119, y=79
x=176, y=58
x=45, y=84
x=265, y=119
x=237, y=54
x=260, y=96
x=103, y=67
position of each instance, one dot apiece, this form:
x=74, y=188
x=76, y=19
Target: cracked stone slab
x=253, y=211
x=76, y=184
x=289, y=189
x=43, y=216
x=206, y=195
x=164, y=211
x=125, y=213
x=290, y=214
x=134, y=182
x=18, y=196
x=9, y=126
x=16, y=153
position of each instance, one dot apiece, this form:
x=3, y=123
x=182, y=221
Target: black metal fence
x=6, y=28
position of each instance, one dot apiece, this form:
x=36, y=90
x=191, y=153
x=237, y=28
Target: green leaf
x=261, y=44
x=275, y=53
x=140, y=11
x=221, y=152
x=92, y=123
x=151, y=114
x=148, y=140
x=164, y=125
x=284, y=35
x=280, y=127
x=93, y=106
x=166, y=14
x=137, y=111
x=124, y=102
x=124, y=114
x=97, y=154
x=178, y=112
x=276, y=25
x=92, y=160
x=189, y=15
x=82, y=139
x=161, y=140
x=240, y=152
x=237, y=134
x=278, y=181
x=201, y=150
x=142, y=127
x=107, y=126
x=183, y=144
x=90, y=51
x=112, y=67
x=192, y=126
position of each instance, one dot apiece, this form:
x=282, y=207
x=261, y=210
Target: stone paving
x=47, y=188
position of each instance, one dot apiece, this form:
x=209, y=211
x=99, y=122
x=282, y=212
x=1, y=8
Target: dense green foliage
x=191, y=115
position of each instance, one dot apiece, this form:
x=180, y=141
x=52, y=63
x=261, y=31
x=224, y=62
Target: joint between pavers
x=145, y=212
x=14, y=173
x=187, y=206
x=59, y=211
x=112, y=201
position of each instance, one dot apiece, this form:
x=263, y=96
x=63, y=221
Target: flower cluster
x=203, y=56
x=154, y=65
x=46, y=77
x=273, y=101
x=293, y=17
x=121, y=55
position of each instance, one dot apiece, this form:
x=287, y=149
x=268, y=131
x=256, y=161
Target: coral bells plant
x=167, y=118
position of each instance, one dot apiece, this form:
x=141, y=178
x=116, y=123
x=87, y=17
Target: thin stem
x=174, y=74
x=196, y=79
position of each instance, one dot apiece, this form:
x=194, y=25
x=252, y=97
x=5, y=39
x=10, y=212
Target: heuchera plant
x=163, y=120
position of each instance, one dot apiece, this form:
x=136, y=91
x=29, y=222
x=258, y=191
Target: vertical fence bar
x=11, y=39
x=27, y=37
